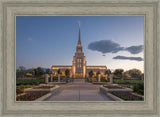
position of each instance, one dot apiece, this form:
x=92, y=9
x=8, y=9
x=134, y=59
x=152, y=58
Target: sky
x=114, y=41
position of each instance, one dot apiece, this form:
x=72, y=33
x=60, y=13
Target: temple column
x=99, y=77
x=51, y=78
x=46, y=78
x=59, y=80
x=111, y=79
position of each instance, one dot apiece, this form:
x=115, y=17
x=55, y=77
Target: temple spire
x=79, y=40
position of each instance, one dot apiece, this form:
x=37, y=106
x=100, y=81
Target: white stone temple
x=79, y=68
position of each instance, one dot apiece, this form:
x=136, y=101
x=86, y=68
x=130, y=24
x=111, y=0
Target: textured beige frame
x=9, y=9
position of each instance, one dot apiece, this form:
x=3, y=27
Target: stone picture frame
x=9, y=9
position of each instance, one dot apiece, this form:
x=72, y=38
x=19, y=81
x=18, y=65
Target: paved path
x=79, y=91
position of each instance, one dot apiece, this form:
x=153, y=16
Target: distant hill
x=44, y=69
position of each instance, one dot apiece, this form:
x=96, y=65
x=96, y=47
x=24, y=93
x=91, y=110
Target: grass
x=24, y=87
x=29, y=81
x=44, y=87
x=119, y=81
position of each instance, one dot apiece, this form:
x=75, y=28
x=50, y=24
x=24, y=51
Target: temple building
x=79, y=68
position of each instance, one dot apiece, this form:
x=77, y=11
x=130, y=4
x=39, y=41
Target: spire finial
x=79, y=40
x=79, y=23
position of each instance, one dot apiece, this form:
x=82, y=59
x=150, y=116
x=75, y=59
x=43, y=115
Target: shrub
x=139, y=88
x=103, y=80
x=18, y=91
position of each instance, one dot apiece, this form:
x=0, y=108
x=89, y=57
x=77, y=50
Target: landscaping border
x=111, y=90
x=29, y=90
x=53, y=91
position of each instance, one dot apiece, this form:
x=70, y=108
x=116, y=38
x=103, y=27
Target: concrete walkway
x=79, y=91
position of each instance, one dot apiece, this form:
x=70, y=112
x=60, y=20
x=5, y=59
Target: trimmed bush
x=104, y=80
x=139, y=88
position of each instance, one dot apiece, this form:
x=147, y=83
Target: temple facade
x=79, y=68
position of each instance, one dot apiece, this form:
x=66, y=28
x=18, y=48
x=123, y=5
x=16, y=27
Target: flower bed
x=113, y=87
x=20, y=89
x=127, y=96
x=30, y=96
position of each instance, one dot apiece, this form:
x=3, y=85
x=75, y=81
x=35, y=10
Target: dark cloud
x=105, y=46
x=103, y=55
x=128, y=58
x=135, y=49
x=109, y=46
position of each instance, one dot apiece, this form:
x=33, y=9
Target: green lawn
x=119, y=81
x=34, y=81
x=29, y=81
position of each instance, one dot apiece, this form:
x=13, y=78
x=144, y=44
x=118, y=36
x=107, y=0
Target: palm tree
x=67, y=73
x=108, y=72
x=98, y=72
x=59, y=71
x=90, y=73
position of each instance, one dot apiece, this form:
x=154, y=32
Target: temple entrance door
x=79, y=75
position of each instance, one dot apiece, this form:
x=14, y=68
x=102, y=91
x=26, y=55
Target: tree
x=33, y=73
x=108, y=72
x=17, y=73
x=98, y=72
x=90, y=73
x=21, y=71
x=67, y=72
x=48, y=71
x=127, y=75
x=59, y=71
x=135, y=73
x=118, y=72
x=39, y=71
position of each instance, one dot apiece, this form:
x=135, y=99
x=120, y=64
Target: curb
x=115, y=98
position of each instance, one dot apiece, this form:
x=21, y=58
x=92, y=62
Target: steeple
x=79, y=40
x=79, y=46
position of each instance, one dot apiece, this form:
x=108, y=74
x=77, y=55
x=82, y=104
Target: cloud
x=128, y=58
x=135, y=49
x=103, y=55
x=29, y=39
x=105, y=46
x=109, y=46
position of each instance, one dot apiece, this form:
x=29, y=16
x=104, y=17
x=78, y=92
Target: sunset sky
x=114, y=41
